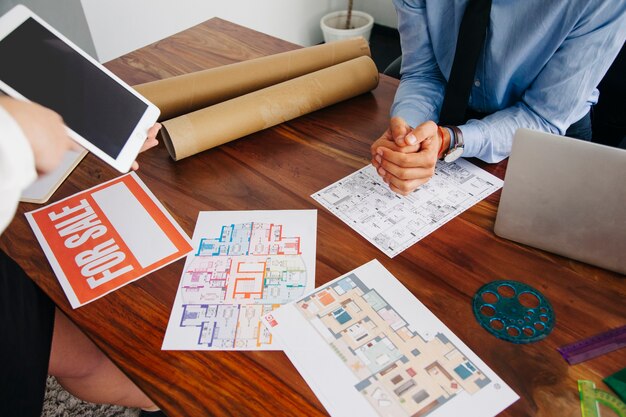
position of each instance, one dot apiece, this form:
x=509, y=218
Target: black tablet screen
x=42, y=68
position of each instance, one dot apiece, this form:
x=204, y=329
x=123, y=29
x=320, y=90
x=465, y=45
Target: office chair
x=393, y=69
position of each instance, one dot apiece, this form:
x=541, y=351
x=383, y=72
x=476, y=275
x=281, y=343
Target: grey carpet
x=60, y=403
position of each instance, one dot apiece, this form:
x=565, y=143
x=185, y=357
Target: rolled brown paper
x=212, y=126
x=185, y=93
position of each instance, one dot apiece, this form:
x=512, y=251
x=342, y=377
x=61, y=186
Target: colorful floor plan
x=367, y=347
x=232, y=280
x=400, y=373
x=393, y=222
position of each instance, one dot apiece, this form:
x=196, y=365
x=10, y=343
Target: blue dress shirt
x=539, y=69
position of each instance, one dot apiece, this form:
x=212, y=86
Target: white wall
x=107, y=29
x=382, y=11
x=120, y=26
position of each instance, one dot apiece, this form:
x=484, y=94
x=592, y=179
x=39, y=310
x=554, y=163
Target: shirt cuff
x=473, y=137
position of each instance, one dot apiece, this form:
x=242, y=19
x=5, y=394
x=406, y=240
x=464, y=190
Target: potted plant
x=347, y=23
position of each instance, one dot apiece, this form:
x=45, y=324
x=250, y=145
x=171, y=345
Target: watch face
x=453, y=155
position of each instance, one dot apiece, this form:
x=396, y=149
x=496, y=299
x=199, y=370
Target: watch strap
x=458, y=137
x=456, y=149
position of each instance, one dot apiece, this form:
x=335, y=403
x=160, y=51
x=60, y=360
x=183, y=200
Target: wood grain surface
x=280, y=168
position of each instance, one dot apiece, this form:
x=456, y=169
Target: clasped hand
x=404, y=157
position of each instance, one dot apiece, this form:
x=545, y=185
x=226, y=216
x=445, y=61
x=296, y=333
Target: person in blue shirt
x=538, y=69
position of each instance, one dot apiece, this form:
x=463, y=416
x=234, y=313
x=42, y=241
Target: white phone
x=103, y=114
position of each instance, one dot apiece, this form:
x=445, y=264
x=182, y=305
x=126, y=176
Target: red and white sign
x=106, y=237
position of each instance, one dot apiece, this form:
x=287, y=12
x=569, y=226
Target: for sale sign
x=106, y=237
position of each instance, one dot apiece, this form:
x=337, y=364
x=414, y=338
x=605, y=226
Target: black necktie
x=469, y=44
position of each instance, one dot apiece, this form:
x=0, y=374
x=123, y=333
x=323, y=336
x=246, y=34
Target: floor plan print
x=399, y=372
x=393, y=222
x=234, y=278
x=368, y=347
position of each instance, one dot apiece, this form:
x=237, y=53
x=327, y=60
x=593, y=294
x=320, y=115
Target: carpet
x=60, y=403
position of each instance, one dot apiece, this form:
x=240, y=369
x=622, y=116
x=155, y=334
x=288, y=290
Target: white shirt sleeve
x=17, y=166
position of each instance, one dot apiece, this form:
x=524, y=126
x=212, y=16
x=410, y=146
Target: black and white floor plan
x=392, y=222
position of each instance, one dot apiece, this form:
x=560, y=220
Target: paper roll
x=185, y=93
x=212, y=126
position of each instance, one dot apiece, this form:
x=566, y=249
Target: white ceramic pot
x=334, y=25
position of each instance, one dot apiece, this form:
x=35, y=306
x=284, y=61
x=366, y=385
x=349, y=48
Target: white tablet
x=104, y=114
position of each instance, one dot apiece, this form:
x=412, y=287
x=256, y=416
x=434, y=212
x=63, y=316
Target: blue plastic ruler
x=594, y=346
x=591, y=398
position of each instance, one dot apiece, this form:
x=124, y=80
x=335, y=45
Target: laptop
x=566, y=196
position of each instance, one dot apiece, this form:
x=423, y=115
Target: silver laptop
x=566, y=196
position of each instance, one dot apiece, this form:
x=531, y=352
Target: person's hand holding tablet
x=150, y=142
x=47, y=134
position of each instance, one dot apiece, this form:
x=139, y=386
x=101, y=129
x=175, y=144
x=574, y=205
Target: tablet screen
x=42, y=68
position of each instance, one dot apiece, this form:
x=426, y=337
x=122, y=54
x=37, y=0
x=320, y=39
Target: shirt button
x=477, y=83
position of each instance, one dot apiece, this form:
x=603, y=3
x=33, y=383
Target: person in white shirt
x=36, y=338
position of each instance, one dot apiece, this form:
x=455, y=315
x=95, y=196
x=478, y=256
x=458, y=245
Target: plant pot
x=334, y=25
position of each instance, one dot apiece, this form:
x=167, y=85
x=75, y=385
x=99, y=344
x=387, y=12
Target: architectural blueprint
x=244, y=265
x=393, y=222
x=367, y=347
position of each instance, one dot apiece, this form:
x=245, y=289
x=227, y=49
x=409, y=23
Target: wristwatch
x=457, y=145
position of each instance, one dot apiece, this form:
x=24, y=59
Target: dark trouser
x=26, y=325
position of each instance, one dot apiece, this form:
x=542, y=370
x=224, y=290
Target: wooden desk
x=278, y=169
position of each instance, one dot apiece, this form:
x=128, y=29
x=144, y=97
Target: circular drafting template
x=513, y=311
